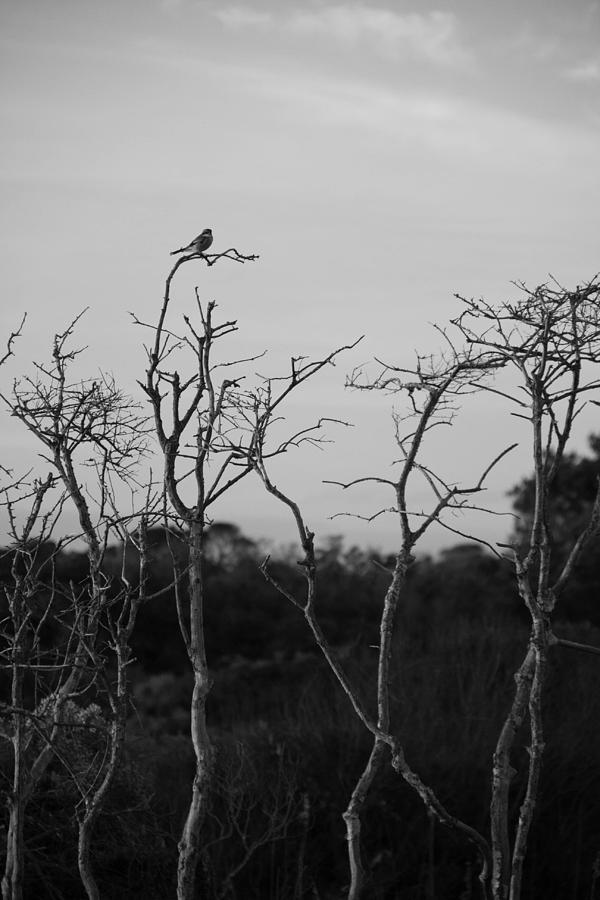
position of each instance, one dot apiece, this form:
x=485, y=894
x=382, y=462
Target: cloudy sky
x=378, y=156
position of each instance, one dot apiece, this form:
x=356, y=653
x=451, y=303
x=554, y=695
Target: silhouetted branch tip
x=12, y=338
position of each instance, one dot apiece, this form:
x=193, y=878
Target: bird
x=198, y=245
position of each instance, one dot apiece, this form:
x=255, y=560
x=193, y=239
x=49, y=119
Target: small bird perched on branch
x=198, y=245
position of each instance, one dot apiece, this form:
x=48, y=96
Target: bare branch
x=11, y=340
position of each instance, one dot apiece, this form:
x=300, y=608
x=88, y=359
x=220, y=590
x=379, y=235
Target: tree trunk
x=12, y=881
x=536, y=753
x=353, y=821
x=189, y=844
x=502, y=776
x=84, y=845
x=95, y=802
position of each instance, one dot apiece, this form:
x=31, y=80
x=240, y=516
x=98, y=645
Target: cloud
x=531, y=43
x=401, y=117
x=432, y=35
x=242, y=17
x=589, y=70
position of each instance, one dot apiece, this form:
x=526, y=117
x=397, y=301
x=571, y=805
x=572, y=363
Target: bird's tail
x=173, y=252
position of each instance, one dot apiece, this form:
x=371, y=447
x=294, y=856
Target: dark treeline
x=289, y=748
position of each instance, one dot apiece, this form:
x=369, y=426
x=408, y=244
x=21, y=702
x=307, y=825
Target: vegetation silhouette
x=461, y=623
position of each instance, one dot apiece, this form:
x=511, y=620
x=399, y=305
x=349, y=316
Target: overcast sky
x=378, y=157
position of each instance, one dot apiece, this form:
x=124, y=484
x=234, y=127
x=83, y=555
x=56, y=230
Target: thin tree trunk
x=352, y=818
x=84, y=845
x=24, y=782
x=502, y=776
x=189, y=844
x=92, y=811
x=94, y=803
x=536, y=752
x=12, y=881
x=363, y=786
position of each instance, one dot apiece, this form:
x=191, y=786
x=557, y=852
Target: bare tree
x=207, y=429
x=73, y=420
x=433, y=388
x=114, y=654
x=23, y=655
x=21, y=631
x=551, y=338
